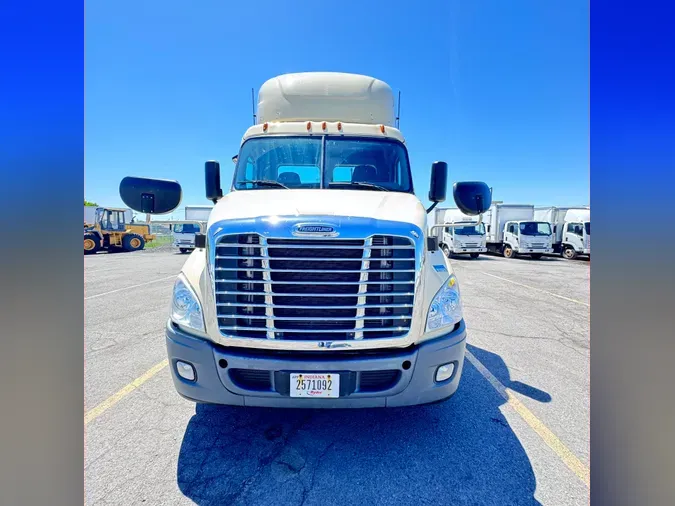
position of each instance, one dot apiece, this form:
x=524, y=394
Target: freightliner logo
x=314, y=229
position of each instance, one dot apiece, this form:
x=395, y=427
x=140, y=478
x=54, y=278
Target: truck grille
x=314, y=289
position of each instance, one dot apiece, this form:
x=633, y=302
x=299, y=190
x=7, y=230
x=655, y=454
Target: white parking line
x=129, y=287
x=537, y=289
x=526, y=286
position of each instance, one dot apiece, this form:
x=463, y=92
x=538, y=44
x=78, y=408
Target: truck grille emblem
x=315, y=229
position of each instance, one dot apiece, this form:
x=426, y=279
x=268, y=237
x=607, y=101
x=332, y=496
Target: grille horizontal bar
x=258, y=281
x=314, y=271
x=319, y=318
x=308, y=259
x=280, y=306
x=312, y=331
x=374, y=294
x=295, y=246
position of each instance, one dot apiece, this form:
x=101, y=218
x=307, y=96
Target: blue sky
x=499, y=90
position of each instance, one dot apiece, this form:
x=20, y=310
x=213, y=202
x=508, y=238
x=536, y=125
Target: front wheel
x=474, y=255
x=569, y=253
x=537, y=256
x=183, y=251
x=133, y=242
x=91, y=244
x=446, y=250
x=508, y=252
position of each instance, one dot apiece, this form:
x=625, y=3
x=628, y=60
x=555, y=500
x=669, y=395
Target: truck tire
x=446, y=251
x=508, y=251
x=91, y=244
x=183, y=251
x=537, y=256
x=569, y=253
x=474, y=255
x=133, y=242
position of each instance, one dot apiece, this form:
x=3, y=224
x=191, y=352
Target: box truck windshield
x=186, y=228
x=468, y=230
x=323, y=162
x=535, y=228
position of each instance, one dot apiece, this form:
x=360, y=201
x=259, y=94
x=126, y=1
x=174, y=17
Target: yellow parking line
x=565, y=454
x=121, y=394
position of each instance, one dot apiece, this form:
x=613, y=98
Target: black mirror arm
x=431, y=207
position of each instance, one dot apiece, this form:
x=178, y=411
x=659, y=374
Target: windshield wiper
x=265, y=182
x=360, y=184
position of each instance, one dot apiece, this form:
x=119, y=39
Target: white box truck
x=184, y=233
x=316, y=284
x=512, y=230
x=571, y=229
x=465, y=238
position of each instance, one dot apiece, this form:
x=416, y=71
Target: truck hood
x=392, y=206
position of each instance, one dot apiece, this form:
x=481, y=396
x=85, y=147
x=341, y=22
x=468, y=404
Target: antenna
x=253, y=105
x=398, y=113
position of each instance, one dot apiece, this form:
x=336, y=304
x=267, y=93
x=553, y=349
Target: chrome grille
x=314, y=289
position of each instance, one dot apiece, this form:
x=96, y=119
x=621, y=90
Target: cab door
x=574, y=235
x=511, y=234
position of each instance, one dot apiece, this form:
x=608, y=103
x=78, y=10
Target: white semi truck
x=465, y=238
x=571, y=229
x=512, y=230
x=184, y=233
x=316, y=283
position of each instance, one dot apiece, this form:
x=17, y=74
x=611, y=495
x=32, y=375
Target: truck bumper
x=184, y=246
x=544, y=251
x=459, y=251
x=253, y=378
x=585, y=251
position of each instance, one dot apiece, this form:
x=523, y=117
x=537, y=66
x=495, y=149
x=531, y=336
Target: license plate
x=315, y=385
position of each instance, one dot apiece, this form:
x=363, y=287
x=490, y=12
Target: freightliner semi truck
x=317, y=283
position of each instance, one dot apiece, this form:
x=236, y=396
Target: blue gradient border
x=632, y=155
x=41, y=159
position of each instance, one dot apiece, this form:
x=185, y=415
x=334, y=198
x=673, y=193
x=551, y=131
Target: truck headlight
x=446, y=307
x=185, y=307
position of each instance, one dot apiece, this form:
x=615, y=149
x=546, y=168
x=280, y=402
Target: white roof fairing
x=326, y=96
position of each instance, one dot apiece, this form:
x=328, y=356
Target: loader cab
x=111, y=220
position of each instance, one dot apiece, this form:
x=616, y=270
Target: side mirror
x=150, y=196
x=472, y=198
x=200, y=241
x=439, y=182
x=212, y=181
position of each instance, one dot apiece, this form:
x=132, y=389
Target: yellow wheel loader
x=111, y=232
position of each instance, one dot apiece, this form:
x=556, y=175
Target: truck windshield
x=186, y=228
x=535, y=228
x=587, y=226
x=323, y=162
x=469, y=230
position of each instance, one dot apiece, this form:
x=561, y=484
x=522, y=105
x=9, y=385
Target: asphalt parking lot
x=516, y=432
